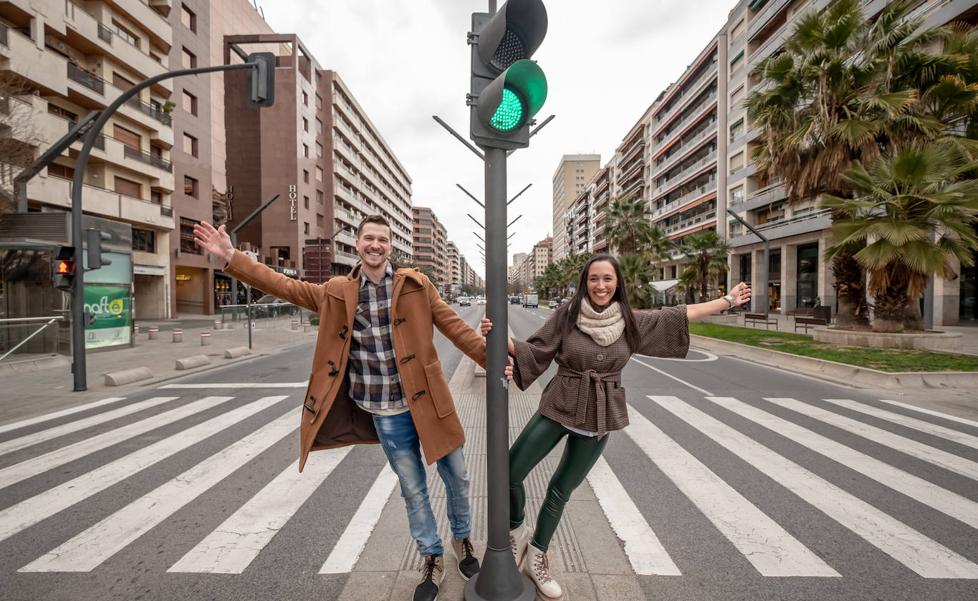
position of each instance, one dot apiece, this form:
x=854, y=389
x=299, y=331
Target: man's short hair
x=378, y=219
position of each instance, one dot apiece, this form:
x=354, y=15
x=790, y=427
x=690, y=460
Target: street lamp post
x=759, y=300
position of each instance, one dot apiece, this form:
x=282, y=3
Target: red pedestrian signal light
x=63, y=267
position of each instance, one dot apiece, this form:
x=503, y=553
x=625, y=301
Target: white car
x=481, y=300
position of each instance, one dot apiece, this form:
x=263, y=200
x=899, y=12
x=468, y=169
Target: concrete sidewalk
x=587, y=558
x=33, y=385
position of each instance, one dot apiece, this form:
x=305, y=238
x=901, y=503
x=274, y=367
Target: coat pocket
x=441, y=395
x=320, y=385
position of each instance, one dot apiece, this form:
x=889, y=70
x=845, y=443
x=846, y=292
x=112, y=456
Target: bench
x=809, y=322
x=750, y=318
x=801, y=312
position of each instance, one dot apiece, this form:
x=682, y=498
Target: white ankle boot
x=537, y=567
x=519, y=538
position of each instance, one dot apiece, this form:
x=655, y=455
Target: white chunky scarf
x=604, y=327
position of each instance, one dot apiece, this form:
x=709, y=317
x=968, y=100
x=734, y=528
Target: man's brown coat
x=329, y=417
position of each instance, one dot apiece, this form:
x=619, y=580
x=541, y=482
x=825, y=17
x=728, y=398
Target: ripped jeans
x=400, y=442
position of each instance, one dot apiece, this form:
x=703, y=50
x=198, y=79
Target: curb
x=850, y=375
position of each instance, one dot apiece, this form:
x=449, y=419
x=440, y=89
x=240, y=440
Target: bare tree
x=19, y=138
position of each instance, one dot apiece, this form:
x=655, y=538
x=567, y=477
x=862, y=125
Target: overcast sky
x=406, y=60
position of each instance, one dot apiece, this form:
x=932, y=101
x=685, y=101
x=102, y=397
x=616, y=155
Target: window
x=737, y=97
x=188, y=59
x=190, y=144
x=737, y=195
x=63, y=113
x=305, y=150
x=319, y=127
x=305, y=99
x=189, y=103
x=319, y=150
x=319, y=220
x=127, y=137
x=143, y=240
x=305, y=228
x=319, y=174
x=127, y=187
x=320, y=198
x=187, y=243
x=125, y=34
x=156, y=197
x=305, y=201
x=188, y=18
x=305, y=124
x=62, y=171
x=190, y=186
x=736, y=61
x=737, y=162
x=736, y=129
x=305, y=176
x=121, y=82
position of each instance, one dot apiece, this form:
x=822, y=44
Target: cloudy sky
x=406, y=60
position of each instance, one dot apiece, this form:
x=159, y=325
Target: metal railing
x=105, y=34
x=149, y=159
x=3, y=35
x=28, y=322
x=90, y=81
x=150, y=110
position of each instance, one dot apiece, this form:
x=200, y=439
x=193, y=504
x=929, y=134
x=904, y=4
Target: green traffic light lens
x=509, y=114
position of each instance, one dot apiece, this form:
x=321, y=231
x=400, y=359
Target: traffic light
x=261, y=79
x=506, y=88
x=94, y=239
x=63, y=269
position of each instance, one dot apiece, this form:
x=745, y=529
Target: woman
x=591, y=338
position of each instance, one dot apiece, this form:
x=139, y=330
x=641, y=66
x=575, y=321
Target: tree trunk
x=850, y=288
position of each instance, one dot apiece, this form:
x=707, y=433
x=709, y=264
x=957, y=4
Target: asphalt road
x=871, y=516
x=746, y=482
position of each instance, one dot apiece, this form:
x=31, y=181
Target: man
x=376, y=378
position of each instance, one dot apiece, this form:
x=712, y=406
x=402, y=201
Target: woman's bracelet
x=730, y=300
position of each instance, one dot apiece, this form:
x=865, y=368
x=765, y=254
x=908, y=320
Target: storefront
x=806, y=284
x=968, y=299
x=192, y=290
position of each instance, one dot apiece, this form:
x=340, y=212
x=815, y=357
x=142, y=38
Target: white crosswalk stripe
x=15, y=444
x=963, y=438
x=232, y=547
x=953, y=418
x=106, y=538
x=773, y=549
x=926, y=557
x=927, y=453
x=926, y=492
x=37, y=465
x=30, y=511
x=51, y=416
x=765, y=544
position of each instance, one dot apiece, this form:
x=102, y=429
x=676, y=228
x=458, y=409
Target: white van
x=530, y=300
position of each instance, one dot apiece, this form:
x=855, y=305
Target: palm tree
x=707, y=253
x=637, y=273
x=914, y=213
x=627, y=225
x=657, y=244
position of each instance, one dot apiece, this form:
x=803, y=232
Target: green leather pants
x=537, y=439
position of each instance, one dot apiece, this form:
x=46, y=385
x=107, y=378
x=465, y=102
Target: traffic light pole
x=78, y=367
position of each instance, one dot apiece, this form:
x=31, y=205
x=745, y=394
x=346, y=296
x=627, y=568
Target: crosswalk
x=920, y=456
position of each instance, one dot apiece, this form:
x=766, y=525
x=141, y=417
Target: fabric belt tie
x=603, y=384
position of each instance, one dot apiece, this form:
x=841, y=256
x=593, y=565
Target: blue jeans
x=400, y=442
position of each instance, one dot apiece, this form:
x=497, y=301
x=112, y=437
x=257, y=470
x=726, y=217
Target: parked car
x=271, y=306
x=480, y=300
x=514, y=300
x=464, y=301
x=531, y=300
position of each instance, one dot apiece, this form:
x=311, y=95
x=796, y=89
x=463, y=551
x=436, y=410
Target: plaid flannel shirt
x=374, y=382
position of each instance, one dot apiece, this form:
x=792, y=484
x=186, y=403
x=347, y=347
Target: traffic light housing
x=261, y=79
x=506, y=89
x=63, y=269
x=94, y=239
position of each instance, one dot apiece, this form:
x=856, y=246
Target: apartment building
x=73, y=58
x=689, y=158
x=317, y=149
x=430, y=243
x=454, y=269
x=571, y=177
x=539, y=258
x=516, y=273
x=199, y=153
x=799, y=232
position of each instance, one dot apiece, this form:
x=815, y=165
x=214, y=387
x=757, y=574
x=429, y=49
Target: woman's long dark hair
x=620, y=295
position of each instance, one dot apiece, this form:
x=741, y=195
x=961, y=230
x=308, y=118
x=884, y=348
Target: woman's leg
x=539, y=437
x=579, y=457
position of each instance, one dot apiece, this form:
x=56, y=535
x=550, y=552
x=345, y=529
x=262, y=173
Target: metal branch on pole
x=470, y=195
x=518, y=194
x=758, y=300
x=459, y=137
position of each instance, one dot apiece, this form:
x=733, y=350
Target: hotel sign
x=293, y=200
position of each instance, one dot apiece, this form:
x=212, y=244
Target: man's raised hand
x=213, y=240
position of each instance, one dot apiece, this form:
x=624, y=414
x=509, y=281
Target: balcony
x=695, y=113
x=699, y=192
x=3, y=35
x=149, y=159
x=692, y=222
x=676, y=180
x=345, y=237
x=765, y=196
x=21, y=55
x=99, y=201
x=89, y=80
x=345, y=258
x=684, y=149
x=764, y=16
x=769, y=47
x=812, y=222
x=150, y=111
x=690, y=89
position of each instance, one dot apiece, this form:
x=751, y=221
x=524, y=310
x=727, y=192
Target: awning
x=663, y=285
